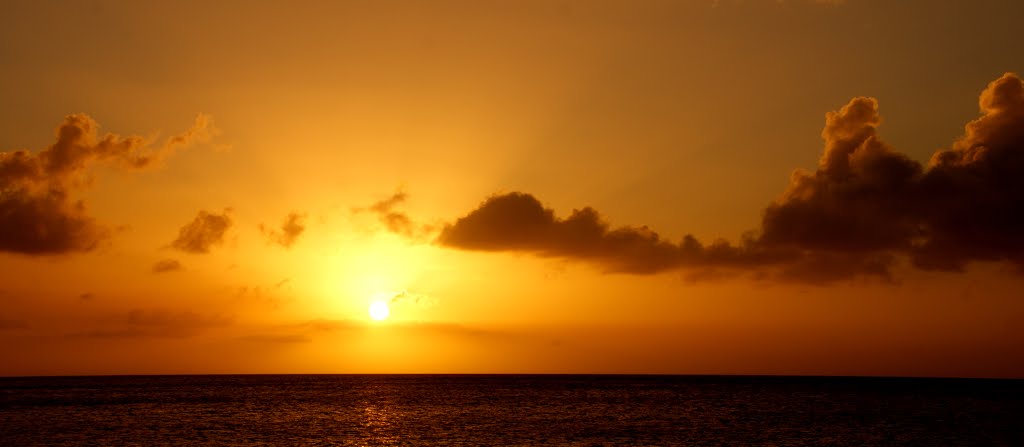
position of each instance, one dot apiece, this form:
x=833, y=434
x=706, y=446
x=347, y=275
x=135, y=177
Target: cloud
x=972, y=196
x=862, y=209
x=39, y=212
x=88, y=296
x=519, y=222
x=396, y=221
x=291, y=228
x=966, y=205
x=204, y=232
x=167, y=265
x=155, y=324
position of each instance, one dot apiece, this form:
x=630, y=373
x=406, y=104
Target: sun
x=379, y=310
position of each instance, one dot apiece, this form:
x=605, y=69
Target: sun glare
x=379, y=310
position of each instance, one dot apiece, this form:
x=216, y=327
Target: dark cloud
x=88, y=296
x=39, y=211
x=966, y=205
x=155, y=324
x=396, y=221
x=204, y=232
x=856, y=199
x=291, y=228
x=167, y=265
x=863, y=208
x=519, y=222
x=972, y=197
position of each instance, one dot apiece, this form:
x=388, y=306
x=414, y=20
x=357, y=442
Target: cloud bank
x=39, y=212
x=863, y=208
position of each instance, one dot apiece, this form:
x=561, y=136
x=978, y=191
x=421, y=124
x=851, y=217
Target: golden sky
x=693, y=187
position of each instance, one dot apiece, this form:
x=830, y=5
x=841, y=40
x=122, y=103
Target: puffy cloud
x=39, y=214
x=972, y=197
x=167, y=265
x=862, y=208
x=857, y=198
x=204, y=232
x=291, y=228
x=967, y=205
x=519, y=222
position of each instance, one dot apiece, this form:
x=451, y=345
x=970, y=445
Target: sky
x=655, y=187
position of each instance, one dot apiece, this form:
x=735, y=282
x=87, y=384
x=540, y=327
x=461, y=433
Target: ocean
x=512, y=410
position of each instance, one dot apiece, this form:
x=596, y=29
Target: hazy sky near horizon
x=707, y=187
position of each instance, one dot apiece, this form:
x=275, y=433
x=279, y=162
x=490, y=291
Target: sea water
x=560, y=410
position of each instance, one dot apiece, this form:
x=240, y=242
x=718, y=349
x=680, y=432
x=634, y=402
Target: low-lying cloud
x=863, y=208
x=40, y=212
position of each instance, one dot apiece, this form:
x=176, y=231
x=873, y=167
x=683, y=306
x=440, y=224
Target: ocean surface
x=509, y=410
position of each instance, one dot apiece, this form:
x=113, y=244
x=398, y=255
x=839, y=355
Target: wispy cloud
x=389, y=214
x=288, y=233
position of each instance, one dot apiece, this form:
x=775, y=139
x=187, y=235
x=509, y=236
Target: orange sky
x=706, y=187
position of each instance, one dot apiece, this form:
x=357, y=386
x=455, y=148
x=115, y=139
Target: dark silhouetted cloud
x=863, y=208
x=291, y=228
x=972, y=196
x=519, y=222
x=204, y=232
x=39, y=212
x=167, y=265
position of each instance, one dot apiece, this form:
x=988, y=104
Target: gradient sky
x=706, y=187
